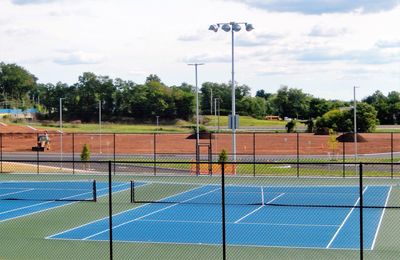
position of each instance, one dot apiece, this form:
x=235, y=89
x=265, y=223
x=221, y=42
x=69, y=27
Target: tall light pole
x=197, y=102
x=211, y=102
x=157, y=123
x=61, y=133
x=233, y=27
x=100, y=122
x=355, y=124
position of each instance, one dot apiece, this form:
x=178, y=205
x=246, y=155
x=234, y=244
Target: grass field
x=167, y=126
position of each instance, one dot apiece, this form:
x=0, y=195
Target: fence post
x=391, y=154
x=361, y=212
x=298, y=154
x=155, y=153
x=110, y=209
x=37, y=154
x=114, y=151
x=254, y=154
x=210, y=156
x=344, y=159
x=73, y=153
x=1, y=152
x=223, y=210
x=197, y=156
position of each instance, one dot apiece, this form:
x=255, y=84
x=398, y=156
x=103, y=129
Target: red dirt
x=20, y=138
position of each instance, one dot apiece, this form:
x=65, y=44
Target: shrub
x=222, y=156
x=291, y=126
x=85, y=155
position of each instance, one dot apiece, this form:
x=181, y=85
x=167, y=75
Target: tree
x=262, y=94
x=342, y=120
x=291, y=103
x=318, y=107
x=381, y=104
x=15, y=82
x=366, y=117
x=223, y=156
x=153, y=78
x=291, y=126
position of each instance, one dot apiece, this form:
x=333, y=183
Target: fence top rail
x=133, y=162
x=183, y=133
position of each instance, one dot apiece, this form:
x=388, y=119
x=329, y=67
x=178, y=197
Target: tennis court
x=323, y=217
x=23, y=198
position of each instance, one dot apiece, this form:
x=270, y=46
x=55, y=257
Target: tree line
x=126, y=100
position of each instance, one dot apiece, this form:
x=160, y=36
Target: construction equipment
x=42, y=143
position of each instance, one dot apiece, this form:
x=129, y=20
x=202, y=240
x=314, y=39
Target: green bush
x=85, y=155
x=291, y=126
x=222, y=156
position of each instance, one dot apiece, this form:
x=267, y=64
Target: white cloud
x=117, y=38
x=78, y=58
x=318, y=31
x=388, y=44
x=322, y=6
x=30, y=2
x=259, y=39
x=370, y=56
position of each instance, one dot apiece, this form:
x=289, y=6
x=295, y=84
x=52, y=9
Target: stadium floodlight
x=249, y=27
x=226, y=27
x=213, y=27
x=233, y=27
x=236, y=27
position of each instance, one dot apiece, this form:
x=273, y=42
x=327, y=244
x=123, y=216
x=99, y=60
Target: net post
x=94, y=191
x=361, y=212
x=132, y=192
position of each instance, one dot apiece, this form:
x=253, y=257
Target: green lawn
x=244, y=121
x=179, y=126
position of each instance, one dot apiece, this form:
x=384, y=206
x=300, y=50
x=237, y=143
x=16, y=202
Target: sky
x=324, y=47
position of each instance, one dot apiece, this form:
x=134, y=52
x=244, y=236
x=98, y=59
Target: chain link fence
x=125, y=210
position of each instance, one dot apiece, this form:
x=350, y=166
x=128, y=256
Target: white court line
x=231, y=223
x=43, y=203
x=344, y=221
x=16, y=192
x=257, y=209
x=120, y=213
x=210, y=244
x=31, y=127
x=149, y=214
x=380, y=220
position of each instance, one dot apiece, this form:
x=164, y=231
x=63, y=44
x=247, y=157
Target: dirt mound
x=349, y=138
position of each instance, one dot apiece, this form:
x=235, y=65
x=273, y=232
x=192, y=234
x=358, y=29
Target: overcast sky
x=324, y=47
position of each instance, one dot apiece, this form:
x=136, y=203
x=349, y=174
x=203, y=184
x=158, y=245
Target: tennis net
x=48, y=190
x=298, y=196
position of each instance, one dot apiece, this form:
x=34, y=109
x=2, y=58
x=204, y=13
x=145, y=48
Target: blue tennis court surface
x=192, y=222
x=19, y=199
